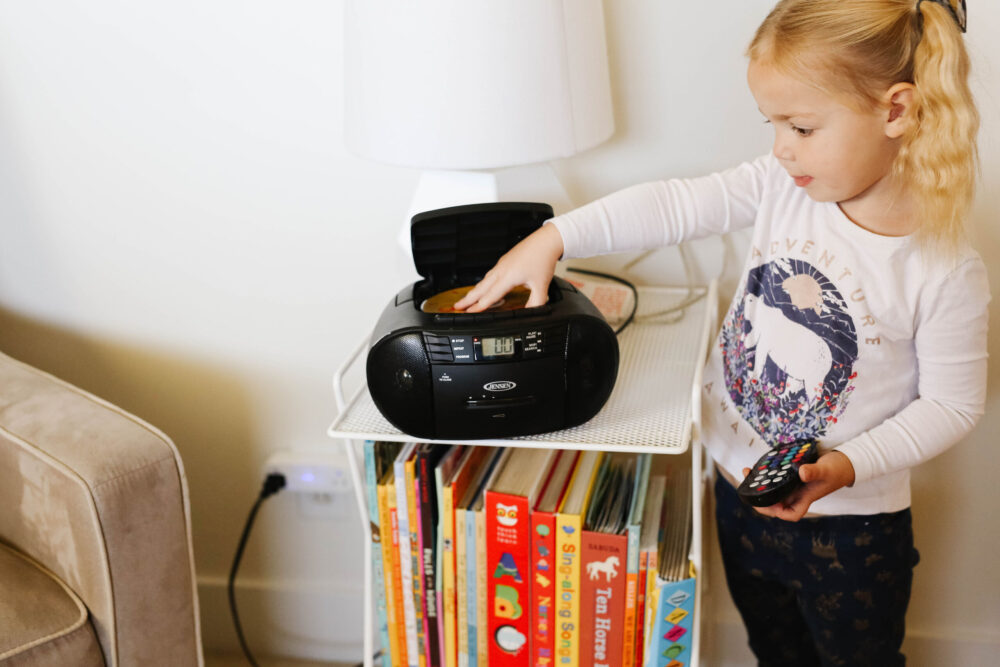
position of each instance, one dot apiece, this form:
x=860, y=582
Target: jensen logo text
x=499, y=385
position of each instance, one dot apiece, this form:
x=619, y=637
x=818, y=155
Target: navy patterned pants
x=825, y=591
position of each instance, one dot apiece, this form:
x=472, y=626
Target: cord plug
x=273, y=483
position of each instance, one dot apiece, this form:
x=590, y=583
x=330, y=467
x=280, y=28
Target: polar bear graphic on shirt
x=789, y=347
x=794, y=348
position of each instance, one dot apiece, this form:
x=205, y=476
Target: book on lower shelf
x=391, y=565
x=454, y=491
x=403, y=513
x=544, y=558
x=508, y=504
x=633, y=532
x=374, y=467
x=671, y=598
x=531, y=557
x=603, y=558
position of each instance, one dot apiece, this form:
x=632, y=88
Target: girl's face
x=836, y=153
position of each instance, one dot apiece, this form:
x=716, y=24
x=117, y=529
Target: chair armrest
x=100, y=498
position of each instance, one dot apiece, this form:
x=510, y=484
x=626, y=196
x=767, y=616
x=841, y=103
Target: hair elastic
x=956, y=7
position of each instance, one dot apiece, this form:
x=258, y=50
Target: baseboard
x=927, y=649
x=290, y=619
x=725, y=646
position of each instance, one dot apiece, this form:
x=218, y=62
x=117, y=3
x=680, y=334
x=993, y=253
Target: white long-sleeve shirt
x=867, y=343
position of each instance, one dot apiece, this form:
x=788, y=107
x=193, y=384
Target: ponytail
x=939, y=159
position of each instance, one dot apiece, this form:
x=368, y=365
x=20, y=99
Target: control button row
x=434, y=339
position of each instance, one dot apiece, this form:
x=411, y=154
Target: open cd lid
x=458, y=245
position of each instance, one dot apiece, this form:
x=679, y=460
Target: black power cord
x=274, y=483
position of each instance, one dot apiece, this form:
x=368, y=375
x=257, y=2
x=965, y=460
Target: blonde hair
x=863, y=47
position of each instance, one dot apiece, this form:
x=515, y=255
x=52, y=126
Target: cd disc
x=444, y=302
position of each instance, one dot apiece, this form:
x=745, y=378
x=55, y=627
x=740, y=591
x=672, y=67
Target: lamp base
x=441, y=189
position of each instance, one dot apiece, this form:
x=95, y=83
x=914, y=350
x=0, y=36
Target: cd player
x=497, y=374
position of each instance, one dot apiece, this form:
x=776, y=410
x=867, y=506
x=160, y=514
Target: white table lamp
x=467, y=89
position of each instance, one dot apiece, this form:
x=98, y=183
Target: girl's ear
x=900, y=109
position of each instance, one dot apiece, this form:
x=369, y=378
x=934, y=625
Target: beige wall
x=182, y=231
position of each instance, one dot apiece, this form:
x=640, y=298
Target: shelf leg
x=358, y=479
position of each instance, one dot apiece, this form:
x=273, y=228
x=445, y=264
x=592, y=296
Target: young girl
x=860, y=320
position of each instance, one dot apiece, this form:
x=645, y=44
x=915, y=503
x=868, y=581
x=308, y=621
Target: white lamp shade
x=475, y=84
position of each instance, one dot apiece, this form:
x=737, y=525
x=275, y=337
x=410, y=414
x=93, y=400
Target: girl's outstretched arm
x=640, y=217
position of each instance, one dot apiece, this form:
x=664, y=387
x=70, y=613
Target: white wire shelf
x=651, y=409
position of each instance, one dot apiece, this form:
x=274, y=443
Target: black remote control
x=776, y=474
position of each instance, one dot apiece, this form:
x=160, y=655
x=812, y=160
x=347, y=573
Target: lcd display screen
x=498, y=347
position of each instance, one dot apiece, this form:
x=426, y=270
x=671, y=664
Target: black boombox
x=462, y=376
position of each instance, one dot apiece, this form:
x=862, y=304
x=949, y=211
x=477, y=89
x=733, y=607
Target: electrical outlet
x=323, y=505
x=312, y=472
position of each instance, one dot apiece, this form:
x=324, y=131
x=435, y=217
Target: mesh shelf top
x=650, y=407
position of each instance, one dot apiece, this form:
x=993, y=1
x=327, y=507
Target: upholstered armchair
x=96, y=563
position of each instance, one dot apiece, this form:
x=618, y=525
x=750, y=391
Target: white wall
x=182, y=231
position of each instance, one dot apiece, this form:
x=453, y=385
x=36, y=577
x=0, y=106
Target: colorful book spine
x=445, y=558
x=602, y=598
x=427, y=458
x=371, y=490
x=569, y=526
x=466, y=466
x=568, y=529
x=508, y=565
x=415, y=559
x=461, y=617
x=543, y=588
x=633, y=531
x=543, y=559
x=649, y=540
x=631, y=597
x=482, y=583
x=640, y=604
x=405, y=560
x=652, y=566
x=389, y=591
x=448, y=558
x=673, y=634
x=398, y=625
x=472, y=586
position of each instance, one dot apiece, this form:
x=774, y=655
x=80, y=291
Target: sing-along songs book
x=569, y=525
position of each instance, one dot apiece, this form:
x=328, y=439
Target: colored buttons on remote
x=776, y=474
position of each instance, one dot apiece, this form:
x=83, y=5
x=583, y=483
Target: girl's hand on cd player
x=532, y=263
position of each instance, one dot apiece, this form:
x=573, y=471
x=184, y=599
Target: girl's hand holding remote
x=831, y=471
x=532, y=262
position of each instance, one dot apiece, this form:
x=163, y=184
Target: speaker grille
x=591, y=369
x=399, y=380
